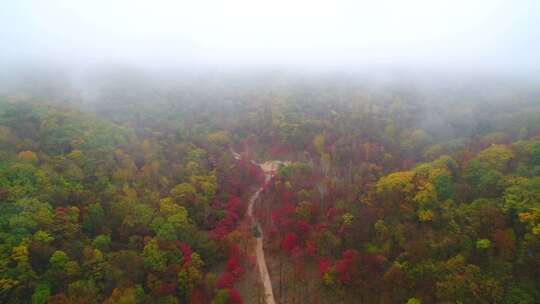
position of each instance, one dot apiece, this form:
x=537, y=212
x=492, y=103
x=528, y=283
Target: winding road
x=269, y=168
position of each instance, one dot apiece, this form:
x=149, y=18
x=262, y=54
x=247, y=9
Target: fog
x=490, y=35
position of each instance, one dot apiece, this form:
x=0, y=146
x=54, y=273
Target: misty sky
x=464, y=33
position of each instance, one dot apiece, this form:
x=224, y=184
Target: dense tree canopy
x=388, y=194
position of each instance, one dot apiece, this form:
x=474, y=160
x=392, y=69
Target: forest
x=137, y=189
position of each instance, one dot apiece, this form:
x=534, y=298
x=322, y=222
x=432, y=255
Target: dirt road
x=259, y=252
x=269, y=168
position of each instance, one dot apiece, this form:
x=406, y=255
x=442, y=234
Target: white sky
x=483, y=33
